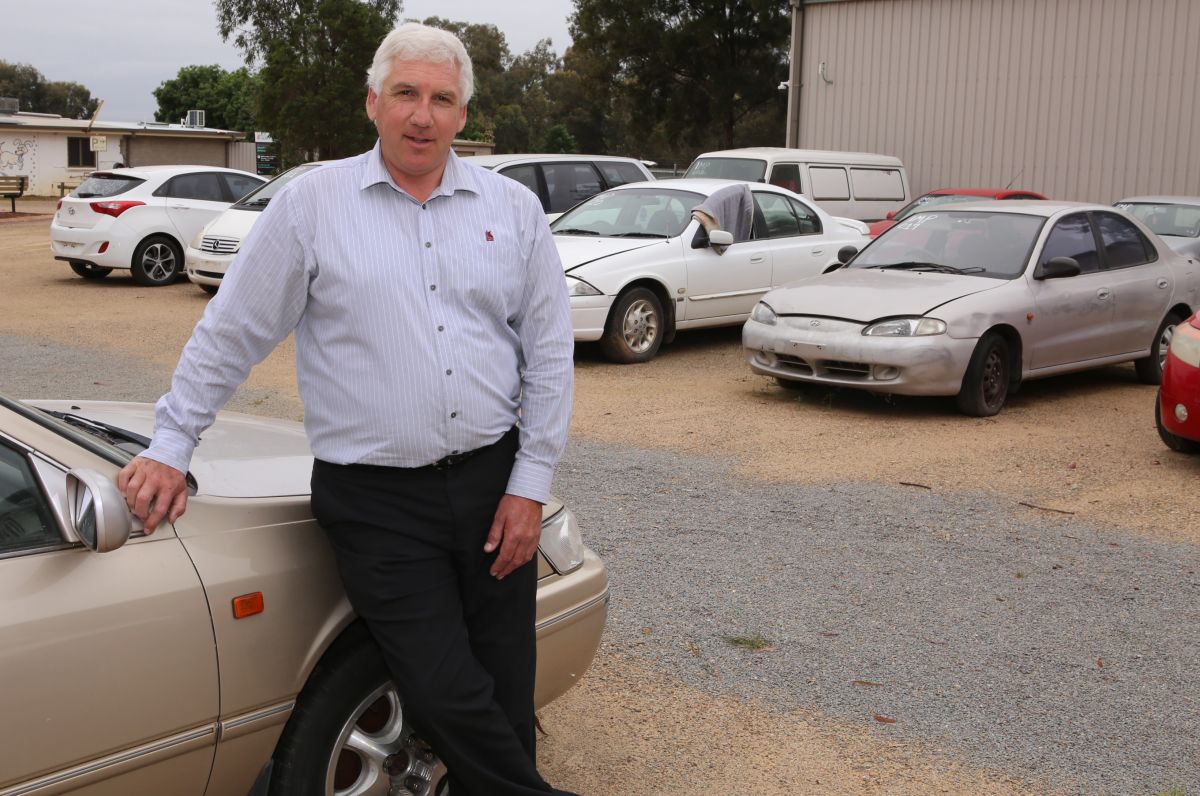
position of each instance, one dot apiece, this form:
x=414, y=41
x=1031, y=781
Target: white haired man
x=427, y=301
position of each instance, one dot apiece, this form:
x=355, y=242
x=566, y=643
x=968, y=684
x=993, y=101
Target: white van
x=858, y=185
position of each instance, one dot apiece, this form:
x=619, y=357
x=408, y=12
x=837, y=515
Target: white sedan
x=639, y=267
x=141, y=218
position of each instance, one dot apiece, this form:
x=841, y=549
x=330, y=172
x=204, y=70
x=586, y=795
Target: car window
x=205, y=186
x=618, y=172
x=810, y=223
x=568, y=184
x=877, y=184
x=778, y=219
x=1124, y=245
x=828, y=183
x=631, y=213
x=728, y=169
x=239, y=185
x=1072, y=237
x=26, y=522
x=786, y=175
x=1166, y=219
x=526, y=175
x=973, y=242
x=265, y=192
x=104, y=185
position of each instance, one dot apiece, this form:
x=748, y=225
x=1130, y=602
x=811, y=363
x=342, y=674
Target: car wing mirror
x=720, y=237
x=97, y=510
x=1058, y=268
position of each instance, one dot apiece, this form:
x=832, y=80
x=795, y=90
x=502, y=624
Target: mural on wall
x=18, y=156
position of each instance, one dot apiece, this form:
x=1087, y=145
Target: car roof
x=808, y=155
x=990, y=193
x=1029, y=207
x=704, y=185
x=491, y=161
x=1161, y=200
x=146, y=172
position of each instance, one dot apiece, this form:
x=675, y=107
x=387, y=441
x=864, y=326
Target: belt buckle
x=446, y=462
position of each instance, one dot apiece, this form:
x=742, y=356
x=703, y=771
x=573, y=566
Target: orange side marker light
x=247, y=605
x=1029, y=316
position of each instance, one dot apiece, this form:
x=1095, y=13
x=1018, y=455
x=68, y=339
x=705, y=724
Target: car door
x=193, y=200
x=1141, y=282
x=568, y=184
x=108, y=679
x=726, y=286
x=798, y=245
x=1073, y=317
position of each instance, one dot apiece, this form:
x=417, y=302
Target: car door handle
x=817, y=252
x=180, y=207
x=1162, y=282
x=758, y=258
x=1103, y=293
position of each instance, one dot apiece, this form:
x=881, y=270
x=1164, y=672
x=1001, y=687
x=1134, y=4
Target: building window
x=79, y=153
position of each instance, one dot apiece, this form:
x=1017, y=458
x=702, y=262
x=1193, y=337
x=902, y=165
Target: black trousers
x=459, y=643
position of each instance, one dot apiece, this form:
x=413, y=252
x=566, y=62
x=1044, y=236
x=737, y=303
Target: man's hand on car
x=153, y=491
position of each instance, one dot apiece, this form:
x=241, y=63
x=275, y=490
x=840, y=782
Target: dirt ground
x=1084, y=445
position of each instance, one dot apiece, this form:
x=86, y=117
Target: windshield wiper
x=917, y=265
x=102, y=430
x=575, y=231
x=639, y=235
x=255, y=202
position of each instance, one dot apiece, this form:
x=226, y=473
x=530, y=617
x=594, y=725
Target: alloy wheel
x=158, y=261
x=640, y=326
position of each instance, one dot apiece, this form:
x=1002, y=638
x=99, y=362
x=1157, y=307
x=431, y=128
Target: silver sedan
x=972, y=300
x=1175, y=219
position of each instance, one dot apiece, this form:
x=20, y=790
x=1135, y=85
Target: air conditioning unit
x=194, y=119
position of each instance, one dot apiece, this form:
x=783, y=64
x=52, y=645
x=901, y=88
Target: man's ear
x=462, y=118
x=372, y=98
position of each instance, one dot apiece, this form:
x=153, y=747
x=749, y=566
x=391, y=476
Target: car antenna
x=1014, y=179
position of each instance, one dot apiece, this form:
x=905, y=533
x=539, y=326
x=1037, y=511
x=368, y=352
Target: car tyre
x=157, y=261
x=1150, y=368
x=89, y=271
x=1172, y=441
x=635, y=327
x=351, y=691
x=209, y=289
x=986, y=382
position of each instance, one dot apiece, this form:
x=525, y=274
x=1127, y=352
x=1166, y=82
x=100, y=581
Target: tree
x=700, y=66
x=228, y=98
x=315, y=56
x=558, y=141
x=35, y=93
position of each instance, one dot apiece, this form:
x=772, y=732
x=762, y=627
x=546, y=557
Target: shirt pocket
x=492, y=276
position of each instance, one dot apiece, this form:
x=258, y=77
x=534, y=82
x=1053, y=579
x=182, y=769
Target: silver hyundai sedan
x=970, y=301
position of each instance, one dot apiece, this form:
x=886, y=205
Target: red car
x=946, y=196
x=1177, y=410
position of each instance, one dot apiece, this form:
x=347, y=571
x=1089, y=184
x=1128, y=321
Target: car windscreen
x=933, y=200
x=258, y=200
x=99, y=186
x=1182, y=221
x=977, y=243
x=745, y=169
x=630, y=213
x=90, y=436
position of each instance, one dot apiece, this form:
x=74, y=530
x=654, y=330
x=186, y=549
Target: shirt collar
x=457, y=176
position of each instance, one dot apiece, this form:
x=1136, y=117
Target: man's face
x=418, y=113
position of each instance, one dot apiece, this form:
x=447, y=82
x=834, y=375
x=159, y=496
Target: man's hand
x=153, y=490
x=516, y=531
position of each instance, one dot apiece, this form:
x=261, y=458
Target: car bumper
x=574, y=608
x=204, y=268
x=841, y=355
x=1180, y=393
x=83, y=245
x=589, y=314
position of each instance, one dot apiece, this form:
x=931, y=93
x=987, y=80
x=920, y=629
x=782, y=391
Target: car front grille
x=219, y=245
x=795, y=364
x=846, y=370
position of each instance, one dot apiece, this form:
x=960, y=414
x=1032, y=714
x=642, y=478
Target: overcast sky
x=121, y=50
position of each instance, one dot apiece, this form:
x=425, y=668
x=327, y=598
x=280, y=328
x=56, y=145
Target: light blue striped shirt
x=422, y=329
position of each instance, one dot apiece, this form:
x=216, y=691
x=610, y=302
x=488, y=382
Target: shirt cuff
x=530, y=480
x=171, y=447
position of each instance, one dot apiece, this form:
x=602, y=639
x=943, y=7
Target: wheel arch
x=158, y=233
x=664, y=298
x=1016, y=353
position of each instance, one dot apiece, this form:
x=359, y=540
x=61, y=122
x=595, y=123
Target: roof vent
x=9, y=105
x=194, y=119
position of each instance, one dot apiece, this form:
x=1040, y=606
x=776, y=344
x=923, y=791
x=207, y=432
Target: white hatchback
x=140, y=218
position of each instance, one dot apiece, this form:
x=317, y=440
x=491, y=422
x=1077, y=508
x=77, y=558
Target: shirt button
x=426, y=207
x=448, y=371
x=454, y=414
x=427, y=244
x=433, y=287
x=441, y=328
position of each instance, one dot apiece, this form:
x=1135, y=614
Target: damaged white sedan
x=973, y=300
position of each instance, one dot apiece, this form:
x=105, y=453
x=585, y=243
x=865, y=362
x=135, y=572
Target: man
x=427, y=300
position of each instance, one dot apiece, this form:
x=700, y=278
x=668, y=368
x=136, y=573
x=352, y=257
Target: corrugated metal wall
x=1089, y=100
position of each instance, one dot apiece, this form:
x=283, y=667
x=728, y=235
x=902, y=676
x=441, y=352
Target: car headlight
x=906, y=327
x=763, y=313
x=577, y=287
x=1185, y=344
x=561, y=543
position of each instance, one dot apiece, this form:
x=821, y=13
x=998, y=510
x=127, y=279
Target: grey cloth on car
x=732, y=208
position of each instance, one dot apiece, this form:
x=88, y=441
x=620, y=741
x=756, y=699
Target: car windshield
x=258, y=199
x=115, y=445
x=104, y=185
x=745, y=169
x=630, y=213
x=933, y=200
x=978, y=243
x=1180, y=220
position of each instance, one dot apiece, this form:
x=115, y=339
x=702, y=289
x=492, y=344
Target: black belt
x=446, y=462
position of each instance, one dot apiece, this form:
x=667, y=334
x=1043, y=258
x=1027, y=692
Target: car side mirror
x=846, y=254
x=720, y=237
x=1058, y=268
x=891, y=215
x=97, y=510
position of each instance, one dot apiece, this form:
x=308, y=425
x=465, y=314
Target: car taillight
x=59, y=205
x=114, y=209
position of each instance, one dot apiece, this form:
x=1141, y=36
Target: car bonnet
x=866, y=295
x=579, y=250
